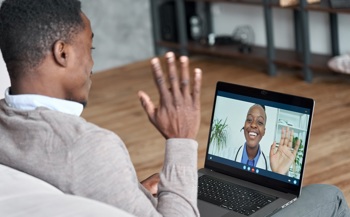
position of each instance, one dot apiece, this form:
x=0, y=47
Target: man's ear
x=60, y=52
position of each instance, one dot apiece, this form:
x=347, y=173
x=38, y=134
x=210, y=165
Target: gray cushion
x=22, y=195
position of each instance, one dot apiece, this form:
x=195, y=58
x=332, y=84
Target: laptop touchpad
x=210, y=210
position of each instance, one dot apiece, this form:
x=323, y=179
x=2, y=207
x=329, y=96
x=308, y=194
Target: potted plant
x=218, y=135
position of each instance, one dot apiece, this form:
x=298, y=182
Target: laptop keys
x=231, y=196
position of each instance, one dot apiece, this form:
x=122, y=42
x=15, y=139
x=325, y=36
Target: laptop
x=234, y=181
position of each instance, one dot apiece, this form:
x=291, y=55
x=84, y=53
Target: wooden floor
x=114, y=105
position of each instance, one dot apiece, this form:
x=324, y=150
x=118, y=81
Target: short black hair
x=263, y=107
x=29, y=28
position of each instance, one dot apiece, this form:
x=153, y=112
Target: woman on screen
x=250, y=153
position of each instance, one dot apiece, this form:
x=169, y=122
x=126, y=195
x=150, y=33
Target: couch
x=22, y=195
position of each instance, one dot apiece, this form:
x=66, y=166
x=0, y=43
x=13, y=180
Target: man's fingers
x=173, y=77
x=185, y=77
x=197, y=87
x=160, y=79
x=147, y=105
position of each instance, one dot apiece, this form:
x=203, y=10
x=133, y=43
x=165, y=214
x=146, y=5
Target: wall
x=226, y=17
x=122, y=34
x=4, y=78
x=122, y=31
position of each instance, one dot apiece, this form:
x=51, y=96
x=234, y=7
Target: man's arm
x=177, y=118
x=102, y=170
x=105, y=172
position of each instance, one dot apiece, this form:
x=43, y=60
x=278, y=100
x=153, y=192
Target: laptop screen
x=246, y=130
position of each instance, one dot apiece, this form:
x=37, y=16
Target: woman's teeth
x=252, y=134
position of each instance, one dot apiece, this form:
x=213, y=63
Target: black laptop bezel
x=273, y=97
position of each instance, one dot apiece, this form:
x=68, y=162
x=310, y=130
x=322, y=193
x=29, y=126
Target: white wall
x=123, y=31
x=4, y=78
x=227, y=16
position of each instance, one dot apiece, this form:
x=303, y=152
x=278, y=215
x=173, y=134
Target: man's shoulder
x=75, y=128
x=56, y=117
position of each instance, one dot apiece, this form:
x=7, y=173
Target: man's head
x=254, y=127
x=46, y=45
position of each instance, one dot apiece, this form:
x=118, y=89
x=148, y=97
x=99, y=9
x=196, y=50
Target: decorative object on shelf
x=211, y=39
x=196, y=28
x=218, y=134
x=287, y=3
x=284, y=122
x=221, y=40
x=340, y=63
x=245, y=35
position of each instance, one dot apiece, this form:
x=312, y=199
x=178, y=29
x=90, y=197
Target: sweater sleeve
x=102, y=170
x=179, y=179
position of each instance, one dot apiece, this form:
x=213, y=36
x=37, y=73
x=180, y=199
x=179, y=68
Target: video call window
x=227, y=137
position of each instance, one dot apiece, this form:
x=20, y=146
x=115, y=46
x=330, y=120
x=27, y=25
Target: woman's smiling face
x=254, y=127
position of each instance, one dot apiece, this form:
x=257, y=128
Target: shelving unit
x=295, y=121
x=300, y=57
x=312, y=62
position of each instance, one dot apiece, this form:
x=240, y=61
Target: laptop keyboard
x=231, y=196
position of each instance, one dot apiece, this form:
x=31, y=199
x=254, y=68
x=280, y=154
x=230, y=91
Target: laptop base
x=210, y=210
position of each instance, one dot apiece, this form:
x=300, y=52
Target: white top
x=32, y=101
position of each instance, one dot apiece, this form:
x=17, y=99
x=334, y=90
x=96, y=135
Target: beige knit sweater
x=83, y=159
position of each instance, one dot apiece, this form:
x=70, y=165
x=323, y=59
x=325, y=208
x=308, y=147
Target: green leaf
x=218, y=135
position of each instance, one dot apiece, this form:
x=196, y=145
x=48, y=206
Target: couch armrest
x=14, y=183
x=22, y=195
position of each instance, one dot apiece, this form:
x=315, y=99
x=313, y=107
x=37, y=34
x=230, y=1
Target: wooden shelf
x=321, y=7
x=283, y=57
x=273, y=3
x=319, y=62
x=248, y=2
x=325, y=7
x=276, y=4
x=288, y=58
x=258, y=53
x=167, y=44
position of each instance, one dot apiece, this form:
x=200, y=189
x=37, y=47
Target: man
x=47, y=49
x=47, y=46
